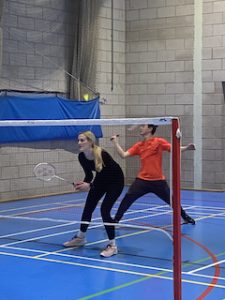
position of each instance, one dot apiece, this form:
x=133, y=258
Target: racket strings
x=44, y=171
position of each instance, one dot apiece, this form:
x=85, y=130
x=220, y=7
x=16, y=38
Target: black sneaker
x=188, y=220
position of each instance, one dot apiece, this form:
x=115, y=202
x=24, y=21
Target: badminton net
x=51, y=175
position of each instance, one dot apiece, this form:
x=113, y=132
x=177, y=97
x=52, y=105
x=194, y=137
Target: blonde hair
x=97, y=151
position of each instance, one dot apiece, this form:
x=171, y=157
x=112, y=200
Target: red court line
x=216, y=267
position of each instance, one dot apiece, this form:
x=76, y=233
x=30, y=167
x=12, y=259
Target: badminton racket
x=46, y=172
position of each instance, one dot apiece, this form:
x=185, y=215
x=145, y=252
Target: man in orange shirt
x=150, y=178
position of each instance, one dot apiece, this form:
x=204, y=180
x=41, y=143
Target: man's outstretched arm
x=119, y=149
x=188, y=147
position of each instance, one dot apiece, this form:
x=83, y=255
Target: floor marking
x=42, y=204
x=214, y=281
x=206, y=267
x=110, y=269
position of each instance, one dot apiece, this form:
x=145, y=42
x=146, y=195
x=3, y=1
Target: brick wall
x=38, y=47
x=153, y=75
x=161, y=72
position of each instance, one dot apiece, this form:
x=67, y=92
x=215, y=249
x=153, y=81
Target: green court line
x=120, y=286
x=143, y=279
x=202, y=260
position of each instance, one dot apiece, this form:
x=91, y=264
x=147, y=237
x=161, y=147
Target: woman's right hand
x=82, y=186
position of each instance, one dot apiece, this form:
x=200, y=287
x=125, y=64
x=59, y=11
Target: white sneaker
x=75, y=242
x=109, y=251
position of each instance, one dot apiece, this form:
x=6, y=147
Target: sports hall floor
x=35, y=266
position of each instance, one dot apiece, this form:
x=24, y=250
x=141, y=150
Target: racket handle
x=117, y=135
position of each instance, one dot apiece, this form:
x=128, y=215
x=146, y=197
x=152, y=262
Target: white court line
x=46, y=209
x=55, y=220
x=60, y=233
x=43, y=253
x=33, y=219
x=70, y=223
x=40, y=237
x=206, y=267
x=75, y=222
x=91, y=259
x=212, y=216
x=42, y=204
x=96, y=243
x=86, y=265
x=46, y=228
x=39, y=211
x=210, y=207
x=207, y=276
x=111, y=269
x=39, y=229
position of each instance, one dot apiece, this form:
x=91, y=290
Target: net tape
x=74, y=122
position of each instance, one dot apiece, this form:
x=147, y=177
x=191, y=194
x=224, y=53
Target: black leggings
x=141, y=187
x=112, y=193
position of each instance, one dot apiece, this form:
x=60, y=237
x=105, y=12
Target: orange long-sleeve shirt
x=150, y=152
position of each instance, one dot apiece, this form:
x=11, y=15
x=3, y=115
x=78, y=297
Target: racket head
x=44, y=171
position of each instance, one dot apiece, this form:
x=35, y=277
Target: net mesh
x=62, y=214
x=57, y=167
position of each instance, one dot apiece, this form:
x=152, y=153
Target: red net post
x=176, y=158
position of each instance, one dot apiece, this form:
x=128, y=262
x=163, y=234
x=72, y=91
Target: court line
x=109, y=269
x=34, y=219
x=41, y=204
x=37, y=230
x=43, y=253
x=69, y=223
x=200, y=219
x=45, y=210
x=42, y=236
x=96, y=242
x=206, y=267
x=208, y=285
x=212, y=216
x=214, y=281
x=98, y=260
x=54, y=234
x=59, y=233
x=206, y=276
x=210, y=207
x=77, y=222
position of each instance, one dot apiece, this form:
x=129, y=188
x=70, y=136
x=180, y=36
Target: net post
x=176, y=159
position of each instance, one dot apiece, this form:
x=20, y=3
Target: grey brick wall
x=152, y=75
x=46, y=29
x=160, y=72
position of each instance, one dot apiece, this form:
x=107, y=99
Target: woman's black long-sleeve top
x=111, y=172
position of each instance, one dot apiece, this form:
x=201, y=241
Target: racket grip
x=117, y=135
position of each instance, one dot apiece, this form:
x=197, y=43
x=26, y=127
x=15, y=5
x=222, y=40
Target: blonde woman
x=108, y=182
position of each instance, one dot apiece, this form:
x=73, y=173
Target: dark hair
x=153, y=128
